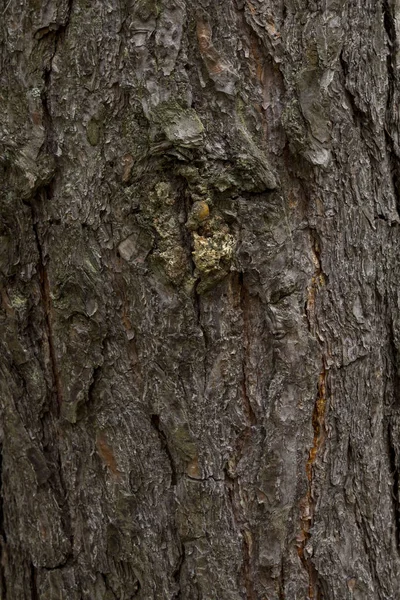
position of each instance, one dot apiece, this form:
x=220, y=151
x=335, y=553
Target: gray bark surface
x=199, y=255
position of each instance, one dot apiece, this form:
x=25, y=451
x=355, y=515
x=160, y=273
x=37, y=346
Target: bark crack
x=390, y=120
x=155, y=422
x=33, y=583
x=3, y=537
x=178, y=571
x=318, y=280
x=232, y=479
x=308, y=503
x=394, y=468
x=47, y=306
x=43, y=194
x=245, y=308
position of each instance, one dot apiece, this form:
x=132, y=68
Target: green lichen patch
x=93, y=132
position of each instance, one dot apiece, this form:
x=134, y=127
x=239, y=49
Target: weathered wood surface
x=200, y=312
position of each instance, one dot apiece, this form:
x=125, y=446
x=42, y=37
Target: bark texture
x=199, y=249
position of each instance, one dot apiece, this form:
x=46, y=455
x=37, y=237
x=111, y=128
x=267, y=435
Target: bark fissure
x=232, y=481
x=281, y=590
x=245, y=307
x=394, y=469
x=33, y=581
x=308, y=504
x=47, y=305
x=247, y=566
x=392, y=150
x=178, y=572
x=318, y=280
x=155, y=422
x=358, y=115
x=3, y=537
x=96, y=376
x=55, y=407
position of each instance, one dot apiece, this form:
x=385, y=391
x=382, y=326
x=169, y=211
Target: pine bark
x=199, y=255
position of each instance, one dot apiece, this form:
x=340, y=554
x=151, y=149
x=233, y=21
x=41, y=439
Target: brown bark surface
x=199, y=256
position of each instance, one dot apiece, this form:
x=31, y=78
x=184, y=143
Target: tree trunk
x=200, y=361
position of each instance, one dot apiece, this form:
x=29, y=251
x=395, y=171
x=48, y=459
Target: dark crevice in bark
x=65, y=563
x=96, y=376
x=50, y=145
x=359, y=116
x=109, y=591
x=3, y=537
x=178, y=571
x=281, y=590
x=58, y=34
x=394, y=358
x=87, y=409
x=56, y=30
x=318, y=280
x=155, y=422
x=197, y=309
x=394, y=468
x=308, y=504
x=33, y=582
x=394, y=166
x=309, y=501
x=390, y=29
x=46, y=301
x=245, y=310
x=44, y=194
x=246, y=566
x=231, y=479
x=393, y=154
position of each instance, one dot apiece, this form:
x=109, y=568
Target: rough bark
x=199, y=242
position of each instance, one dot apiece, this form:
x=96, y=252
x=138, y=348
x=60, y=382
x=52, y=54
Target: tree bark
x=199, y=242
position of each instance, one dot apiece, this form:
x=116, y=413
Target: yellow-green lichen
x=212, y=257
x=93, y=132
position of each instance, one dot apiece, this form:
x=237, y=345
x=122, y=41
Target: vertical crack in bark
x=232, y=481
x=33, y=583
x=47, y=308
x=44, y=194
x=155, y=422
x=318, y=280
x=393, y=153
x=358, y=115
x=318, y=422
x=391, y=437
x=394, y=468
x=246, y=569
x=177, y=573
x=245, y=308
x=3, y=538
x=309, y=502
x=281, y=590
